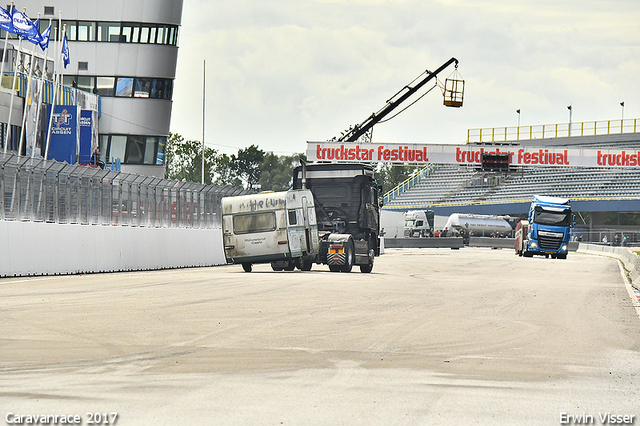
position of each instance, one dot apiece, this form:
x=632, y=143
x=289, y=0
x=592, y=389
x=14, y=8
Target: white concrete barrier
x=36, y=248
x=626, y=255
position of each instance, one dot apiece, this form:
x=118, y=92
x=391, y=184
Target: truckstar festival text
x=469, y=154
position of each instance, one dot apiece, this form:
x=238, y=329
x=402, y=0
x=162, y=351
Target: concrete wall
x=630, y=260
x=35, y=248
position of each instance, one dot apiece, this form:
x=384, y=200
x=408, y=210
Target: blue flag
x=6, y=22
x=65, y=51
x=44, y=38
x=24, y=27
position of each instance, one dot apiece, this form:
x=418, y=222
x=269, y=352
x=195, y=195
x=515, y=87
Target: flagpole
x=13, y=93
x=4, y=58
x=204, y=75
x=41, y=95
x=4, y=53
x=53, y=101
x=27, y=94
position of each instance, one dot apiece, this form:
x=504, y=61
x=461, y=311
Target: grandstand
x=449, y=188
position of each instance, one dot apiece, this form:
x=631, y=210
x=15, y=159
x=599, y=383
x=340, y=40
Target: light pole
x=622, y=105
x=204, y=79
x=518, y=128
x=570, y=108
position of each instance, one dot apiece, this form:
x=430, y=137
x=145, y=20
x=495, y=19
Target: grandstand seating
x=451, y=184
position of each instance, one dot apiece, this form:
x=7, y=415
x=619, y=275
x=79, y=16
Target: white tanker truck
x=479, y=225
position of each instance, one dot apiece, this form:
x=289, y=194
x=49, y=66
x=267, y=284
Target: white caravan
x=273, y=227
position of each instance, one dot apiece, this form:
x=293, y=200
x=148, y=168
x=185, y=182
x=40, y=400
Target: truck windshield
x=546, y=217
x=409, y=223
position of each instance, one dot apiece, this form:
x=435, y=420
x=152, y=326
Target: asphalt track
x=431, y=337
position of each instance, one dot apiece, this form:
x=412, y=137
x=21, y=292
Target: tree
x=247, y=164
x=391, y=175
x=184, y=160
x=277, y=171
x=225, y=172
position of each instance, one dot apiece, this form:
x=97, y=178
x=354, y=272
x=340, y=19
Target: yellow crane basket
x=453, y=90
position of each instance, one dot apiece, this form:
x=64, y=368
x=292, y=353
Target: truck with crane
x=344, y=229
x=331, y=216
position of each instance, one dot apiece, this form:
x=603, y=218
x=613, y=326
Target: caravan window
x=293, y=220
x=256, y=222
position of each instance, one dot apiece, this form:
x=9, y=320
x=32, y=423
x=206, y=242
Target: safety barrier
x=629, y=258
x=541, y=131
x=34, y=189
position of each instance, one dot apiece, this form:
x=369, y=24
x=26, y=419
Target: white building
x=126, y=52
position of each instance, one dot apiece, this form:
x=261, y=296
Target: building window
x=83, y=66
x=127, y=32
x=130, y=32
x=162, y=35
x=105, y=86
x=108, y=31
x=48, y=10
x=143, y=87
x=102, y=147
x=72, y=30
x=162, y=144
x=86, y=31
x=124, y=87
x=117, y=147
x=135, y=150
x=86, y=83
x=150, y=150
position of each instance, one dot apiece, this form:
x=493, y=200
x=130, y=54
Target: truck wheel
x=348, y=257
x=305, y=265
x=335, y=268
x=275, y=267
x=365, y=269
x=246, y=266
x=290, y=266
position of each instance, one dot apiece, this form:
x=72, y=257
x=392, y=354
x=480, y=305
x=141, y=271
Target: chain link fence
x=34, y=189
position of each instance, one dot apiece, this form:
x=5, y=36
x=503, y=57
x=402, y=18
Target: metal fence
x=34, y=189
x=537, y=131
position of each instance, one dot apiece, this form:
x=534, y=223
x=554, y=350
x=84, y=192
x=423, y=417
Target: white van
x=273, y=227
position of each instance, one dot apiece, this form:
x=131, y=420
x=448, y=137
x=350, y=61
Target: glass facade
x=133, y=149
x=123, y=87
x=112, y=32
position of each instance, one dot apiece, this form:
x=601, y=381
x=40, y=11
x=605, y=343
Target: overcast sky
x=283, y=72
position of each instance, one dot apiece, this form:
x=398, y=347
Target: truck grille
x=549, y=243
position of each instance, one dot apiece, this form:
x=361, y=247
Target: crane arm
x=366, y=125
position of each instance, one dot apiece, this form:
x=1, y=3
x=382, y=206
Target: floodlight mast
x=366, y=125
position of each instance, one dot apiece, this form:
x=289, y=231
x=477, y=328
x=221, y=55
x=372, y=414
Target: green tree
x=277, y=171
x=184, y=160
x=248, y=164
x=391, y=175
x=225, y=172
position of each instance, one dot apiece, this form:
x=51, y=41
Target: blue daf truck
x=547, y=231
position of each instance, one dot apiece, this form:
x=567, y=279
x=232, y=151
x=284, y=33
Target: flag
x=6, y=22
x=24, y=27
x=44, y=38
x=65, y=51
